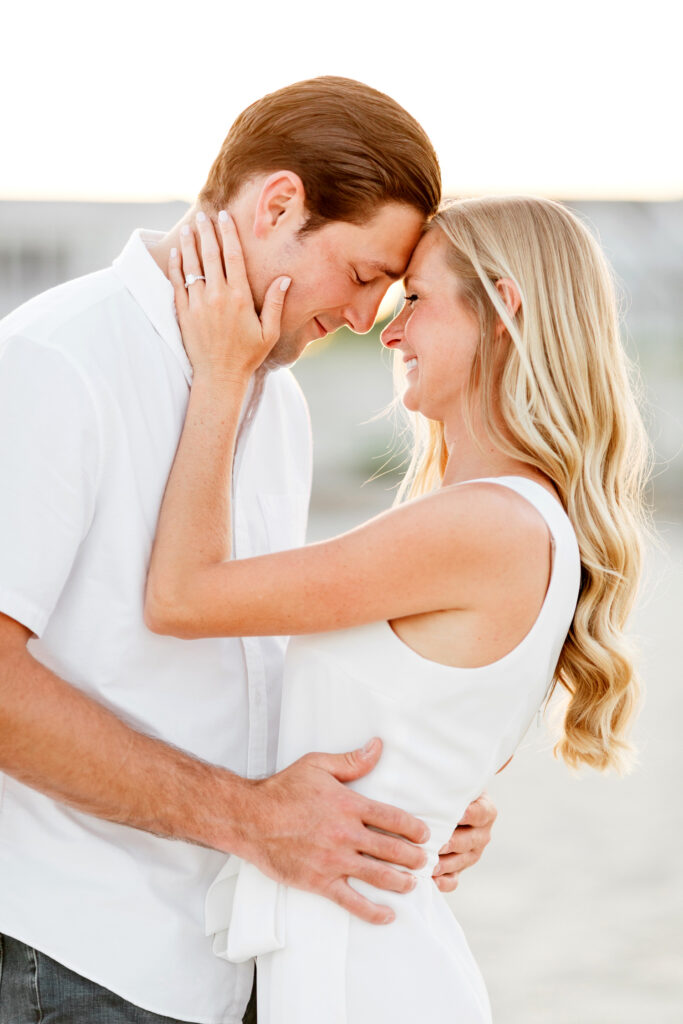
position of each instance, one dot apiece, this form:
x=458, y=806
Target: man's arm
x=301, y=826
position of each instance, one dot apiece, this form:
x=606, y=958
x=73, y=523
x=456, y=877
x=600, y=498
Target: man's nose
x=362, y=314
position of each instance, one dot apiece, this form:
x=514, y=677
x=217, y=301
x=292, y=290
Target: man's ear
x=281, y=202
x=509, y=292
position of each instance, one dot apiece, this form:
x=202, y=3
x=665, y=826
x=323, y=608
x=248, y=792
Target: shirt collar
x=153, y=292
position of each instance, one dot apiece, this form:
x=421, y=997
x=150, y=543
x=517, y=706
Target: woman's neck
x=474, y=465
x=468, y=460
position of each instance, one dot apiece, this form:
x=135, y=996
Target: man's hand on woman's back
x=305, y=828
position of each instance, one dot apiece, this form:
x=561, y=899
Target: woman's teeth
x=410, y=364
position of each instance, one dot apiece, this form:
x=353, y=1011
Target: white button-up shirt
x=94, y=383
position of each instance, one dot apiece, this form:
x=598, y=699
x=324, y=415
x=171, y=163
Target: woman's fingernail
x=185, y=229
x=174, y=253
x=222, y=215
x=201, y=216
x=285, y=283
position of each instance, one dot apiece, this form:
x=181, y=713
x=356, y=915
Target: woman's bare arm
x=446, y=550
x=195, y=536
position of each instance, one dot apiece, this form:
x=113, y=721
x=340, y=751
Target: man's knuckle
x=350, y=805
x=387, y=878
x=373, y=845
x=392, y=820
x=338, y=833
x=395, y=850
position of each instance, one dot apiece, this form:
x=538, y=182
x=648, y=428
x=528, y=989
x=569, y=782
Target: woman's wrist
x=221, y=382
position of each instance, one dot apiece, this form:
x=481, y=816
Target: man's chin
x=285, y=352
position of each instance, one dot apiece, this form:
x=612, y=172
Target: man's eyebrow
x=393, y=275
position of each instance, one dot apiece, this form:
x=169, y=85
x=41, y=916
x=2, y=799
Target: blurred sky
x=131, y=100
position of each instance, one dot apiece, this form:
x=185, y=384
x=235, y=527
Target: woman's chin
x=410, y=401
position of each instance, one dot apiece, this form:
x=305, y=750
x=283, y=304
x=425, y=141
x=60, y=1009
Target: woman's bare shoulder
x=487, y=509
x=491, y=530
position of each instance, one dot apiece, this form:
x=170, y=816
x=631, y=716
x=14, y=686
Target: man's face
x=340, y=273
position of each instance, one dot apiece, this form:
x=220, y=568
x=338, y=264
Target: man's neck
x=161, y=250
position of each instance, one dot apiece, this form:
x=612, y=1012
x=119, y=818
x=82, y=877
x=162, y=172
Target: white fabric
x=241, y=895
x=94, y=383
x=446, y=731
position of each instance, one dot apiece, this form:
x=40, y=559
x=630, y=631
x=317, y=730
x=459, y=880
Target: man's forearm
x=302, y=826
x=59, y=741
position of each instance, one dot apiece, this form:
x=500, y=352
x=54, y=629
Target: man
x=115, y=742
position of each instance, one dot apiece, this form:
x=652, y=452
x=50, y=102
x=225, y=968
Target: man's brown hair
x=353, y=147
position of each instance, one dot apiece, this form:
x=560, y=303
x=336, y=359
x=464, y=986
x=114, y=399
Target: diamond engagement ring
x=191, y=278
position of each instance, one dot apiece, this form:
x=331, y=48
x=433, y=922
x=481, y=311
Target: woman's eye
x=359, y=280
x=411, y=298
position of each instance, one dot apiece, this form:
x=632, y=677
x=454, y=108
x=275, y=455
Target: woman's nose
x=392, y=333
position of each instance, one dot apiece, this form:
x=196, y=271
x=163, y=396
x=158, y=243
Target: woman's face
x=435, y=332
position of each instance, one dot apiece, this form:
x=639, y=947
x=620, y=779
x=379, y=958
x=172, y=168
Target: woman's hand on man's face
x=223, y=335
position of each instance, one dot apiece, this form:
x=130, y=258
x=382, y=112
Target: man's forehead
x=394, y=250
x=384, y=244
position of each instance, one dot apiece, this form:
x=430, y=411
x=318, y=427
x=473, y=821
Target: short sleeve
x=49, y=469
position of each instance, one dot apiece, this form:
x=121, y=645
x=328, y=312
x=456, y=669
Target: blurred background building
x=575, y=912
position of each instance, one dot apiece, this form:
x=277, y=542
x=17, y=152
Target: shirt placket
x=243, y=547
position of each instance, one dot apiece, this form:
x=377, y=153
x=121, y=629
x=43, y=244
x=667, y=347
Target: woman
x=509, y=564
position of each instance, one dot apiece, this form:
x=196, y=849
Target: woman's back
x=445, y=731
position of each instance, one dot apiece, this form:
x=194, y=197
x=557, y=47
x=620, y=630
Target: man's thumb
x=353, y=765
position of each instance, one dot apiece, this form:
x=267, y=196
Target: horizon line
x=588, y=195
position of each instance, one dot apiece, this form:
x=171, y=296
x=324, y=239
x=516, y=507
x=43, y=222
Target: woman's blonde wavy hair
x=566, y=397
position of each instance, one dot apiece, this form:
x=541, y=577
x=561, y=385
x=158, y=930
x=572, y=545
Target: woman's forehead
x=427, y=258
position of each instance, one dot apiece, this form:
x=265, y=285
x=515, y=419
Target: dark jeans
x=34, y=989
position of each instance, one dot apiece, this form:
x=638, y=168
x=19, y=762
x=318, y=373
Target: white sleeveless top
x=446, y=731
